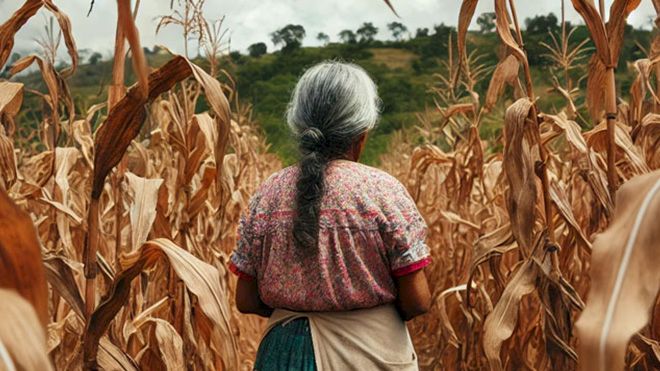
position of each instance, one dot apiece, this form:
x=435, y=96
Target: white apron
x=364, y=339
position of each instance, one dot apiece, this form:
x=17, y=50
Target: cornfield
x=117, y=220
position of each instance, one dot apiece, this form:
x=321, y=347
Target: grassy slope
x=403, y=71
x=403, y=93
x=267, y=82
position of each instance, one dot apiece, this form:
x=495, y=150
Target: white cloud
x=252, y=21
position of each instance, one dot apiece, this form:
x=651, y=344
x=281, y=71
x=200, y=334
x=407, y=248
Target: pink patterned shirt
x=370, y=232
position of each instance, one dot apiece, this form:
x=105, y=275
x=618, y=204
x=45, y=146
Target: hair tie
x=312, y=138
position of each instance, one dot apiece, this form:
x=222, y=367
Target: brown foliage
x=508, y=286
x=22, y=338
x=188, y=174
x=9, y=29
x=20, y=257
x=625, y=279
x=151, y=199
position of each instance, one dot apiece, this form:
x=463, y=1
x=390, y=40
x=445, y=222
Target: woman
x=330, y=250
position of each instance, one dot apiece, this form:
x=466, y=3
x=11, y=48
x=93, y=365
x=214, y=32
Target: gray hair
x=339, y=99
x=332, y=105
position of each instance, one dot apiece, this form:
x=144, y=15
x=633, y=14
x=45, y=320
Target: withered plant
x=114, y=239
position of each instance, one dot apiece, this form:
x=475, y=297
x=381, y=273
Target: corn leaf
x=20, y=257
x=464, y=18
x=200, y=278
x=625, y=279
x=506, y=72
x=142, y=210
x=125, y=119
x=21, y=333
x=518, y=166
x=9, y=29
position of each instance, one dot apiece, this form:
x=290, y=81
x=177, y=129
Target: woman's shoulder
x=273, y=188
x=343, y=169
x=286, y=174
x=369, y=176
x=343, y=177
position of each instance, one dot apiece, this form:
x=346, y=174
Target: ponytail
x=332, y=105
x=309, y=189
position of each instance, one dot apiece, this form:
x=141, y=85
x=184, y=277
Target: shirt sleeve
x=405, y=234
x=244, y=260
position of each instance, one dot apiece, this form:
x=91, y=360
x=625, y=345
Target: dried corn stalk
x=506, y=293
x=625, y=279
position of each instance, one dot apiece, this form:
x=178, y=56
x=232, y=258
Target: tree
x=83, y=53
x=442, y=31
x=13, y=59
x=323, y=38
x=257, y=49
x=397, y=29
x=541, y=24
x=347, y=37
x=236, y=57
x=367, y=32
x=486, y=22
x=536, y=33
x=422, y=32
x=291, y=36
x=94, y=58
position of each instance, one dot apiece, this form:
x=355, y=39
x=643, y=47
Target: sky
x=250, y=21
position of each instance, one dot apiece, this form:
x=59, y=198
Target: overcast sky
x=250, y=21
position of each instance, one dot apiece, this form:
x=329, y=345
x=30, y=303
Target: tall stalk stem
x=115, y=94
x=564, y=46
x=610, y=112
x=543, y=172
x=610, y=115
x=91, y=246
x=116, y=90
x=119, y=206
x=514, y=17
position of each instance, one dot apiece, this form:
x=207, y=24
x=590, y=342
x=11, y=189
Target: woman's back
x=370, y=231
x=329, y=236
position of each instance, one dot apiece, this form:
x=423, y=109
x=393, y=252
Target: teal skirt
x=287, y=346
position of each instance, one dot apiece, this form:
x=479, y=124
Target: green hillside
x=404, y=71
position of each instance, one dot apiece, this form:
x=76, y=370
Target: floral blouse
x=370, y=232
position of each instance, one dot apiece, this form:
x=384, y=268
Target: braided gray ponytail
x=332, y=105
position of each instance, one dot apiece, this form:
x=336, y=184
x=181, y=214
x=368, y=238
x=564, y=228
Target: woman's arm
x=414, y=296
x=248, y=300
